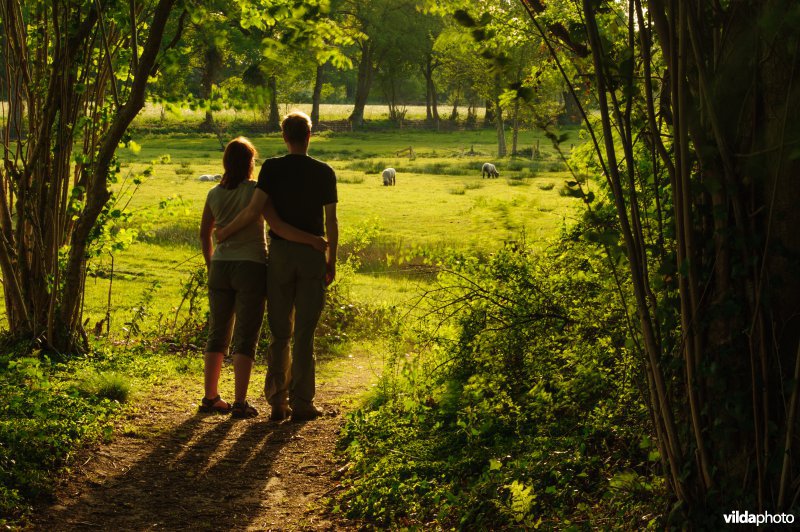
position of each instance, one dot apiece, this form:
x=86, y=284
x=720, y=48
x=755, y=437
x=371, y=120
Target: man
x=303, y=192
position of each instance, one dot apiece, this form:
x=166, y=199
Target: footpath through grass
x=145, y=300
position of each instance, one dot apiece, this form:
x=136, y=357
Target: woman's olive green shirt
x=250, y=243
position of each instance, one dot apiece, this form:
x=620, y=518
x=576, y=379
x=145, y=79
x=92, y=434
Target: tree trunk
x=212, y=64
x=489, y=118
x=726, y=323
x=501, y=133
x=571, y=115
x=515, y=128
x=434, y=100
x=43, y=286
x=472, y=114
x=315, y=100
x=431, y=100
x=16, y=122
x=363, y=85
x=454, y=113
x=274, y=118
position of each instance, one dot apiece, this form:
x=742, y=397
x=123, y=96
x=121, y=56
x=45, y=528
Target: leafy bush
x=43, y=419
x=521, y=417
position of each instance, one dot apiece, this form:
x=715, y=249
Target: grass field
x=440, y=201
x=156, y=113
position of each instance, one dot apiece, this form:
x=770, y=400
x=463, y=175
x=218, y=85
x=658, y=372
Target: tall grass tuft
x=353, y=180
x=185, y=169
x=440, y=168
x=107, y=385
x=178, y=233
x=367, y=166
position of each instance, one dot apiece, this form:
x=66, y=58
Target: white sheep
x=489, y=170
x=389, y=175
x=210, y=177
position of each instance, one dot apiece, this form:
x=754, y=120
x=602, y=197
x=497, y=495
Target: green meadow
x=440, y=203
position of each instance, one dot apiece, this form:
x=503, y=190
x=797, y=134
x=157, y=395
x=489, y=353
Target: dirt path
x=173, y=469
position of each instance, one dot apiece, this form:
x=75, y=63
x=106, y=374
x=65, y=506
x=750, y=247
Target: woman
x=237, y=271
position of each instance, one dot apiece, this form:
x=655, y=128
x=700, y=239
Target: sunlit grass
x=327, y=112
x=440, y=201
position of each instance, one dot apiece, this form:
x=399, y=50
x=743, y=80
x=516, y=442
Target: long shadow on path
x=208, y=473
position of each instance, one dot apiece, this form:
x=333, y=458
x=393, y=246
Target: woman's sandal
x=209, y=406
x=243, y=410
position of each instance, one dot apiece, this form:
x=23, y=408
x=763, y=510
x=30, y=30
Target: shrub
x=43, y=418
x=517, y=420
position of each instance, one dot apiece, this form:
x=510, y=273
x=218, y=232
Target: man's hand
x=220, y=234
x=330, y=272
x=320, y=244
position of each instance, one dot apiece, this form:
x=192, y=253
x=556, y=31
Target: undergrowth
x=528, y=415
x=45, y=416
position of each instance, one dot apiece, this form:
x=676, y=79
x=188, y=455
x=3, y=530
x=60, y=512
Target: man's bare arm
x=290, y=232
x=332, y=232
x=248, y=215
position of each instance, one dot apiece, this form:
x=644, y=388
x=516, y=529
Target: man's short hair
x=296, y=126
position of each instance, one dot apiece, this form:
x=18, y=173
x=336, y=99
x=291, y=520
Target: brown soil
x=174, y=469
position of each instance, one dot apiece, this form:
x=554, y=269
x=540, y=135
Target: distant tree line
x=396, y=53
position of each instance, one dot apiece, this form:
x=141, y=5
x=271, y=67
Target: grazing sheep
x=210, y=177
x=389, y=177
x=489, y=170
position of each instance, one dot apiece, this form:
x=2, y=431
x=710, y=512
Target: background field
x=153, y=113
x=440, y=202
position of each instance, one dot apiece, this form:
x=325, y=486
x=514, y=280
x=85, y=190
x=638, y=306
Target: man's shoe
x=307, y=414
x=279, y=413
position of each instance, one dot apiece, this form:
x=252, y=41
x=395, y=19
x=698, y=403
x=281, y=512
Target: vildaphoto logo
x=764, y=518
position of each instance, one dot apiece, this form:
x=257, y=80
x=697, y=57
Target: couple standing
x=297, y=196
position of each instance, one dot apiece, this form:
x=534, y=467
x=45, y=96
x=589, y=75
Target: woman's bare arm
x=206, y=228
x=290, y=232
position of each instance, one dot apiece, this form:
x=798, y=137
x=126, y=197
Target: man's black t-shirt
x=299, y=186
